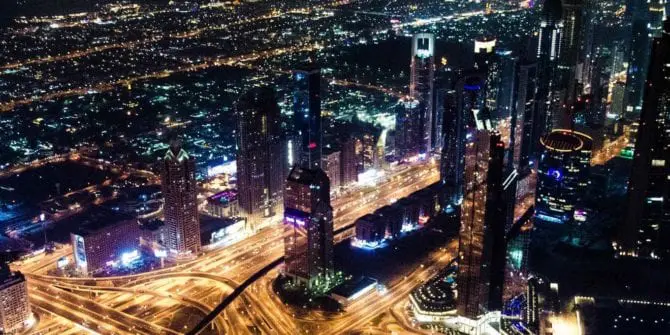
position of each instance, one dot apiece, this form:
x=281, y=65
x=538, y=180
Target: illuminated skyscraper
x=408, y=129
x=548, y=51
x=348, y=170
x=422, y=81
x=487, y=62
x=482, y=233
x=525, y=128
x=571, y=42
x=15, y=310
x=505, y=96
x=646, y=229
x=461, y=104
x=260, y=163
x=181, y=206
x=307, y=114
x=562, y=175
x=645, y=20
x=308, y=225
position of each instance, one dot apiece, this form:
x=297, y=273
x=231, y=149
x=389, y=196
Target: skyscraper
x=421, y=84
x=481, y=237
x=409, y=134
x=181, y=206
x=307, y=114
x=14, y=305
x=487, y=62
x=548, y=51
x=348, y=171
x=308, y=225
x=571, y=42
x=645, y=20
x=525, y=130
x=460, y=106
x=505, y=95
x=260, y=164
x=645, y=232
x=562, y=175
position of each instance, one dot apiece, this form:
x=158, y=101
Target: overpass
x=229, y=299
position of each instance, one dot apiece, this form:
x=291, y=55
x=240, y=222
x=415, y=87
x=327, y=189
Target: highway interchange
x=170, y=300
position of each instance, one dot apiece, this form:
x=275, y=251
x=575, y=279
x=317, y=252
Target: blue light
x=472, y=87
x=555, y=173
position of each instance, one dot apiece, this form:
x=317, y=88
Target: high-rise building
x=332, y=167
x=548, y=51
x=181, y=207
x=444, y=82
x=571, y=43
x=487, y=62
x=525, y=132
x=460, y=105
x=645, y=19
x=348, y=171
x=421, y=84
x=307, y=114
x=617, y=103
x=505, y=99
x=562, y=175
x=408, y=129
x=308, y=225
x=15, y=311
x=260, y=163
x=482, y=233
x=645, y=232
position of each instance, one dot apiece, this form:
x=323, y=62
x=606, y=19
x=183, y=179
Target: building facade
x=562, y=175
x=482, y=233
x=645, y=232
x=332, y=165
x=307, y=114
x=15, y=310
x=308, y=227
x=260, y=163
x=102, y=237
x=409, y=134
x=421, y=85
x=181, y=207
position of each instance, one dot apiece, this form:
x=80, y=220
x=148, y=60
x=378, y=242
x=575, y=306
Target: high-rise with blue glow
x=562, y=175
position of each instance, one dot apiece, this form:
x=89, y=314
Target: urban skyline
x=335, y=167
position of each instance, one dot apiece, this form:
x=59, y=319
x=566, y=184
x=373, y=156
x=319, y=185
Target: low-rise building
x=224, y=204
x=102, y=237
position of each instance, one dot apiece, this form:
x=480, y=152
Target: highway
x=206, y=281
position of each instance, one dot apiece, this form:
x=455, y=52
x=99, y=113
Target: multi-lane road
x=148, y=302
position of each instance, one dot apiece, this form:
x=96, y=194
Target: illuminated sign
x=579, y=215
x=485, y=46
x=295, y=220
x=160, y=253
x=80, y=252
x=225, y=168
